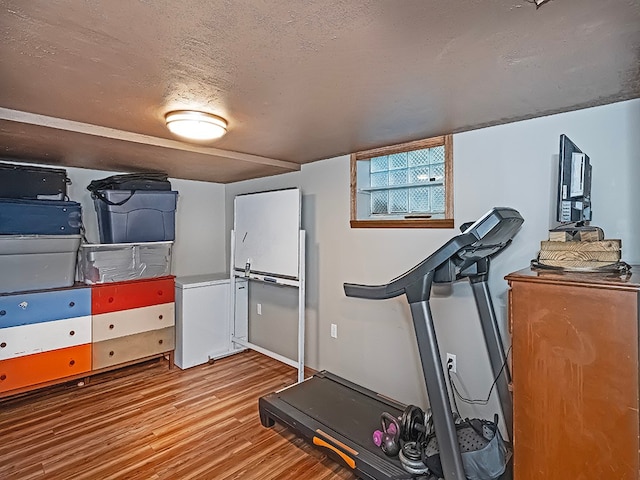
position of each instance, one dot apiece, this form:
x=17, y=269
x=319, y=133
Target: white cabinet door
x=202, y=324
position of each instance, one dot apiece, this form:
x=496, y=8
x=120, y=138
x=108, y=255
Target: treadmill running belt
x=341, y=408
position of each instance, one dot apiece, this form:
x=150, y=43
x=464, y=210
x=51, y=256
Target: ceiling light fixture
x=196, y=125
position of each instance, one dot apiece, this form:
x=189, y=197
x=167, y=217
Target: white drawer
x=129, y=322
x=44, y=337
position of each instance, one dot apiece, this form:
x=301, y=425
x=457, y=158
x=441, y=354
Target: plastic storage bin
x=104, y=263
x=136, y=216
x=34, y=262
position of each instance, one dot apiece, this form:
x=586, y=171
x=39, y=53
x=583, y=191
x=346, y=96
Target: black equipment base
x=331, y=412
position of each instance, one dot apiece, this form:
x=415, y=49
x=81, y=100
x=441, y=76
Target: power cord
x=455, y=403
x=469, y=400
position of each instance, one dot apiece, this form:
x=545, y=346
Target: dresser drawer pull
x=3, y=344
x=160, y=317
x=3, y=377
x=72, y=304
x=111, y=353
x=160, y=342
x=72, y=333
x=160, y=292
x=72, y=363
x=110, y=300
x=111, y=326
x=3, y=312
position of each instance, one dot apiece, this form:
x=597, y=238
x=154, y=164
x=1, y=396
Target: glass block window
x=380, y=164
x=403, y=185
x=414, y=180
x=379, y=202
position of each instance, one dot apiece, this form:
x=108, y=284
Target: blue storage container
x=39, y=217
x=126, y=216
x=27, y=308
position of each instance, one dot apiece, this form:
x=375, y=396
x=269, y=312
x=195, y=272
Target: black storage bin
x=39, y=217
x=20, y=181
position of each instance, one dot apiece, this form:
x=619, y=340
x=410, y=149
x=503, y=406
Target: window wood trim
x=403, y=147
x=447, y=222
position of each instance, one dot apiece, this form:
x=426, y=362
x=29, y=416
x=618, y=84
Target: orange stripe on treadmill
x=337, y=442
x=347, y=459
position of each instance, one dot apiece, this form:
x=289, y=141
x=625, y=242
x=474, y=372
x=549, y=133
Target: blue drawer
x=28, y=308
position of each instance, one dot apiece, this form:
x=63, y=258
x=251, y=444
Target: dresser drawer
x=43, y=337
x=114, y=297
x=132, y=347
x=27, y=308
x=44, y=367
x=129, y=322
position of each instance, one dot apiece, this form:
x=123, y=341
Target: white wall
x=200, y=228
x=509, y=165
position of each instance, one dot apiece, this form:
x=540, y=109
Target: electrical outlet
x=334, y=330
x=452, y=364
x=259, y=308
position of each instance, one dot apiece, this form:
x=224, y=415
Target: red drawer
x=43, y=367
x=113, y=297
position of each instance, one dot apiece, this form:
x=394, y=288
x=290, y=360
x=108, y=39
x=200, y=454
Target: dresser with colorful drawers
x=52, y=336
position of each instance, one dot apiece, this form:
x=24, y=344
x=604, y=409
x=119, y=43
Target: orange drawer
x=113, y=297
x=43, y=367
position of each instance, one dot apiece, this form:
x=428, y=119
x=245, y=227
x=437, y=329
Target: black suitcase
x=21, y=181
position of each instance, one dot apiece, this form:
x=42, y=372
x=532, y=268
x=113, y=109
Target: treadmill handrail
x=397, y=286
x=485, y=228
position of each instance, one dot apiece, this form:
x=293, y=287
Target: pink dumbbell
x=377, y=435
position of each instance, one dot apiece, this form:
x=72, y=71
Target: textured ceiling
x=87, y=83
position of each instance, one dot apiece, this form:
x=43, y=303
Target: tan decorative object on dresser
x=575, y=374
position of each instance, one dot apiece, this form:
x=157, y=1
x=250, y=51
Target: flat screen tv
x=574, y=184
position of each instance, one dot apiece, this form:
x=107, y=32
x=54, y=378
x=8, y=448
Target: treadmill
x=340, y=416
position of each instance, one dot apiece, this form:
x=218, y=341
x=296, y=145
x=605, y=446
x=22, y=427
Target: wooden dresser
x=575, y=375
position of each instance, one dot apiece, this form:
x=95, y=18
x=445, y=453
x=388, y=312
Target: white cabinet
x=203, y=318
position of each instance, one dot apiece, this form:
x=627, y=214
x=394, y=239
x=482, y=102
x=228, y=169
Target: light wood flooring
x=149, y=422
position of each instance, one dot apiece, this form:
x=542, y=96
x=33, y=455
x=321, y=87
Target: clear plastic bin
x=104, y=263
